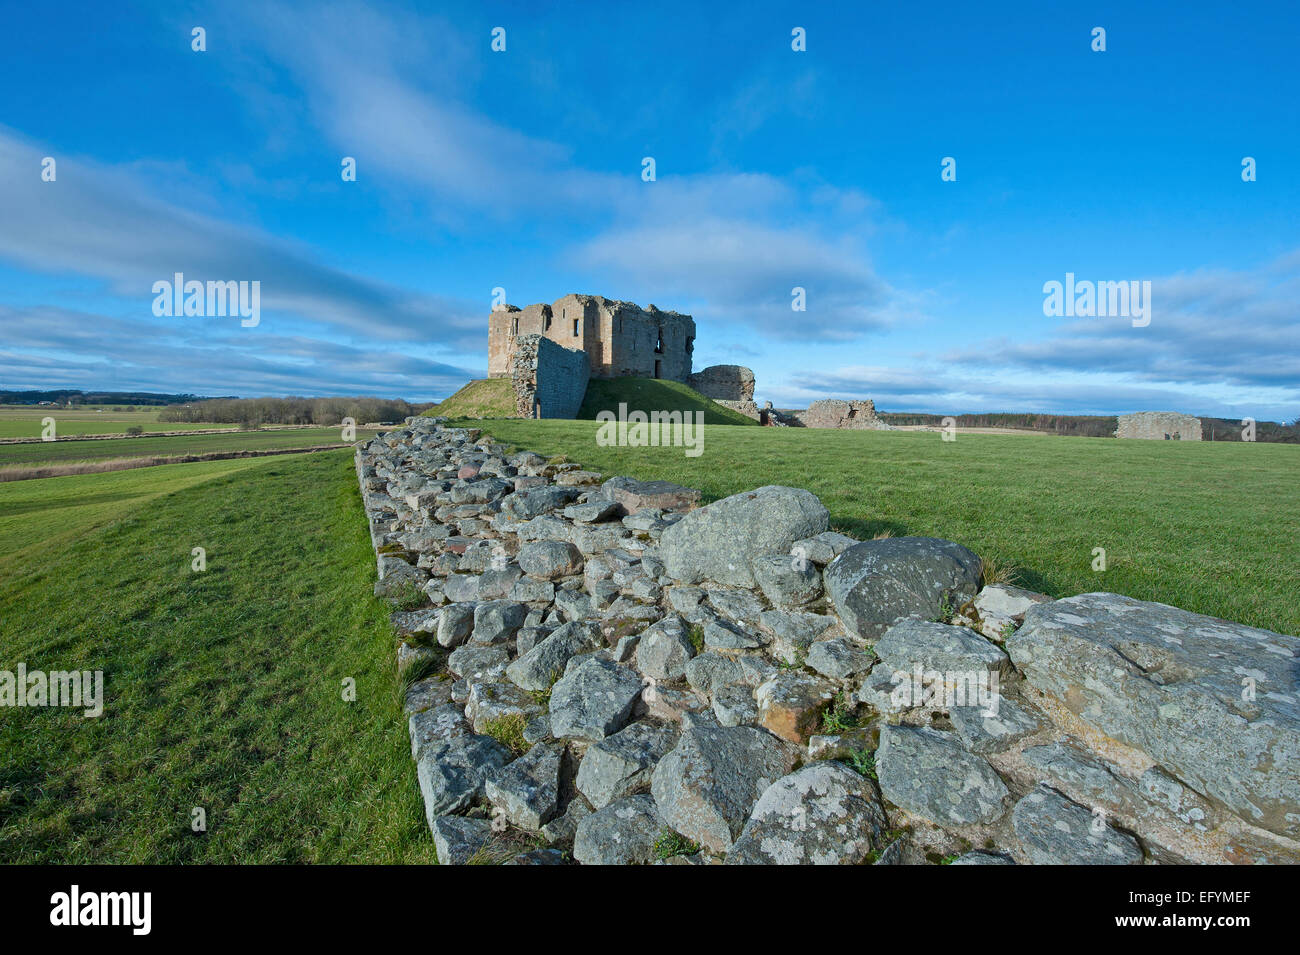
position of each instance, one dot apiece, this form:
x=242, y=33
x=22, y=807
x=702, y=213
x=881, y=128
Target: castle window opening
x=659, y=344
x=575, y=328
x=515, y=327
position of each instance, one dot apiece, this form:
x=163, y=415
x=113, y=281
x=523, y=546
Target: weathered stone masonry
x=620, y=339
x=612, y=662
x=1159, y=426
x=549, y=380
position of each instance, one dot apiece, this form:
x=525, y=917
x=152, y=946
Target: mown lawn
x=57, y=452
x=1212, y=527
x=223, y=688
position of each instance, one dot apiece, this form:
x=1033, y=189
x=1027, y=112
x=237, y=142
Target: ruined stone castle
x=550, y=352
x=620, y=339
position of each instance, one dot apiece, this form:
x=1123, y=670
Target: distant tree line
x=78, y=397
x=1230, y=429
x=1095, y=426
x=1088, y=426
x=252, y=412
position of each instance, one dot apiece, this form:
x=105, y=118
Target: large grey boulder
x=717, y=542
x=995, y=728
x=550, y=559
x=1215, y=703
x=594, y=700
x=622, y=833
x=876, y=583
x=823, y=814
x=929, y=774
x=451, y=774
x=707, y=785
x=1055, y=831
x=621, y=764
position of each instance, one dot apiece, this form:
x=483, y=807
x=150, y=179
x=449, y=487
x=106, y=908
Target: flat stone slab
x=1055, y=831
x=929, y=774
x=636, y=495
x=995, y=728
x=1216, y=703
x=458, y=839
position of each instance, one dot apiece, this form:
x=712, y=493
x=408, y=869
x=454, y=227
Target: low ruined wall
x=549, y=380
x=731, y=386
x=835, y=413
x=585, y=646
x=1159, y=426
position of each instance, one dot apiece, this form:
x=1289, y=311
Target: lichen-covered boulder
x=876, y=583
x=622, y=833
x=718, y=542
x=1055, y=831
x=1216, y=703
x=823, y=814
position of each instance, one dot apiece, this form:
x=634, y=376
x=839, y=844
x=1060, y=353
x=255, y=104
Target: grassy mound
x=650, y=394
x=482, y=398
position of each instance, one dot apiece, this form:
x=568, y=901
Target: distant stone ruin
x=731, y=386
x=828, y=413
x=1159, y=426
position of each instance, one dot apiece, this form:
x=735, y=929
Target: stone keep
x=1159, y=426
x=620, y=339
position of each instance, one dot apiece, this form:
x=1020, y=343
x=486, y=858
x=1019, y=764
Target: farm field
x=24, y=421
x=1210, y=527
x=55, y=452
x=223, y=688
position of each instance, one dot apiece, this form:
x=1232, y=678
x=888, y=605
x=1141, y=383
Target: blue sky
x=775, y=168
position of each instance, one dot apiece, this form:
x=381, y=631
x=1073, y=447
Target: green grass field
x=24, y=421
x=57, y=452
x=1209, y=527
x=223, y=688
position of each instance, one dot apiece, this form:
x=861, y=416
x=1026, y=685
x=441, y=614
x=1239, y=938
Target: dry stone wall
x=610, y=671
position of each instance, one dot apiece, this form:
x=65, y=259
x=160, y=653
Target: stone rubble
x=605, y=671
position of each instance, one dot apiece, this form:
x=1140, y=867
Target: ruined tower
x=620, y=339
